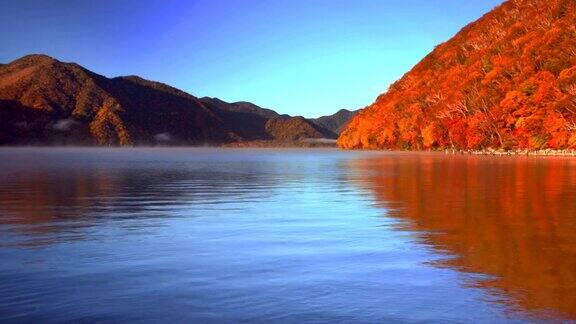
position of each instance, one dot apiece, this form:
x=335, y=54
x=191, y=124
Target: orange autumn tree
x=506, y=81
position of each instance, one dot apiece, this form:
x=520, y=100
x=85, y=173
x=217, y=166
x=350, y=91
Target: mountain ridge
x=507, y=80
x=337, y=121
x=44, y=101
x=116, y=111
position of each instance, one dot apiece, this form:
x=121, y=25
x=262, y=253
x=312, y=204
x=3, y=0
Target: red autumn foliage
x=506, y=81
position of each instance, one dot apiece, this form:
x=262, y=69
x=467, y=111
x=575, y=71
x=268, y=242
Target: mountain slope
x=507, y=81
x=45, y=101
x=241, y=106
x=249, y=124
x=296, y=129
x=254, y=123
x=335, y=122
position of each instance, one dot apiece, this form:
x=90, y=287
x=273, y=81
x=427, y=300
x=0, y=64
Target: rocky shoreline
x=309, y=143
x=501, y=152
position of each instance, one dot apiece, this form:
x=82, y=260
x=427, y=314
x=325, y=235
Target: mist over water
x=223, y=235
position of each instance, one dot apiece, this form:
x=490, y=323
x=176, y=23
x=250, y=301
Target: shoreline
x=308, y=146
x=545, y=152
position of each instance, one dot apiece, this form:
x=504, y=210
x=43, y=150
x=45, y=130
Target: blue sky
x=301, y=57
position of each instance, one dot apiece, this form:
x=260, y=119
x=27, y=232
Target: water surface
x=209, y=235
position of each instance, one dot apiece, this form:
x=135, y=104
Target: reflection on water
x=288, y=236
x=513, y=219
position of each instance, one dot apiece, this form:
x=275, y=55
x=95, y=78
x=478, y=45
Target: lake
x=224, y=235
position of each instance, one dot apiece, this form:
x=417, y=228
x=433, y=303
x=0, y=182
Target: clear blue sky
x=301, y=57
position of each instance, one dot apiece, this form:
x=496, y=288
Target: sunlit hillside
x=507, y=81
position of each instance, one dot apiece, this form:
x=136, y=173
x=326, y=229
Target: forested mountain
x=47, y=102
x=254, y=123
x=337, y=121
x=506, y=81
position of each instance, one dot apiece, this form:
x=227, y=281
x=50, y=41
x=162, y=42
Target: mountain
x=506, y=81
x=247, y=121
x=337, y=121
x=254, y=123
x=45, y=101
x=241, y=107
x=296, y=129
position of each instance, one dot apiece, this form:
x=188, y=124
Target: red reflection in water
x=510, y=218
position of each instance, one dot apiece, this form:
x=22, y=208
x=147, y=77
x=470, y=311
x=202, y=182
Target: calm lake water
x=210, y=235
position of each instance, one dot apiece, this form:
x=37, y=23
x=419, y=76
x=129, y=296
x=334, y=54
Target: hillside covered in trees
x=505, y=81
x=44, y=101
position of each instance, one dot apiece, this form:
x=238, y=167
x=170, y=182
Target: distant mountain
x=335, y=122
x=241, y=106
x=255, y=123
x=296, y=129
x=45, y=101
x=506, y=81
